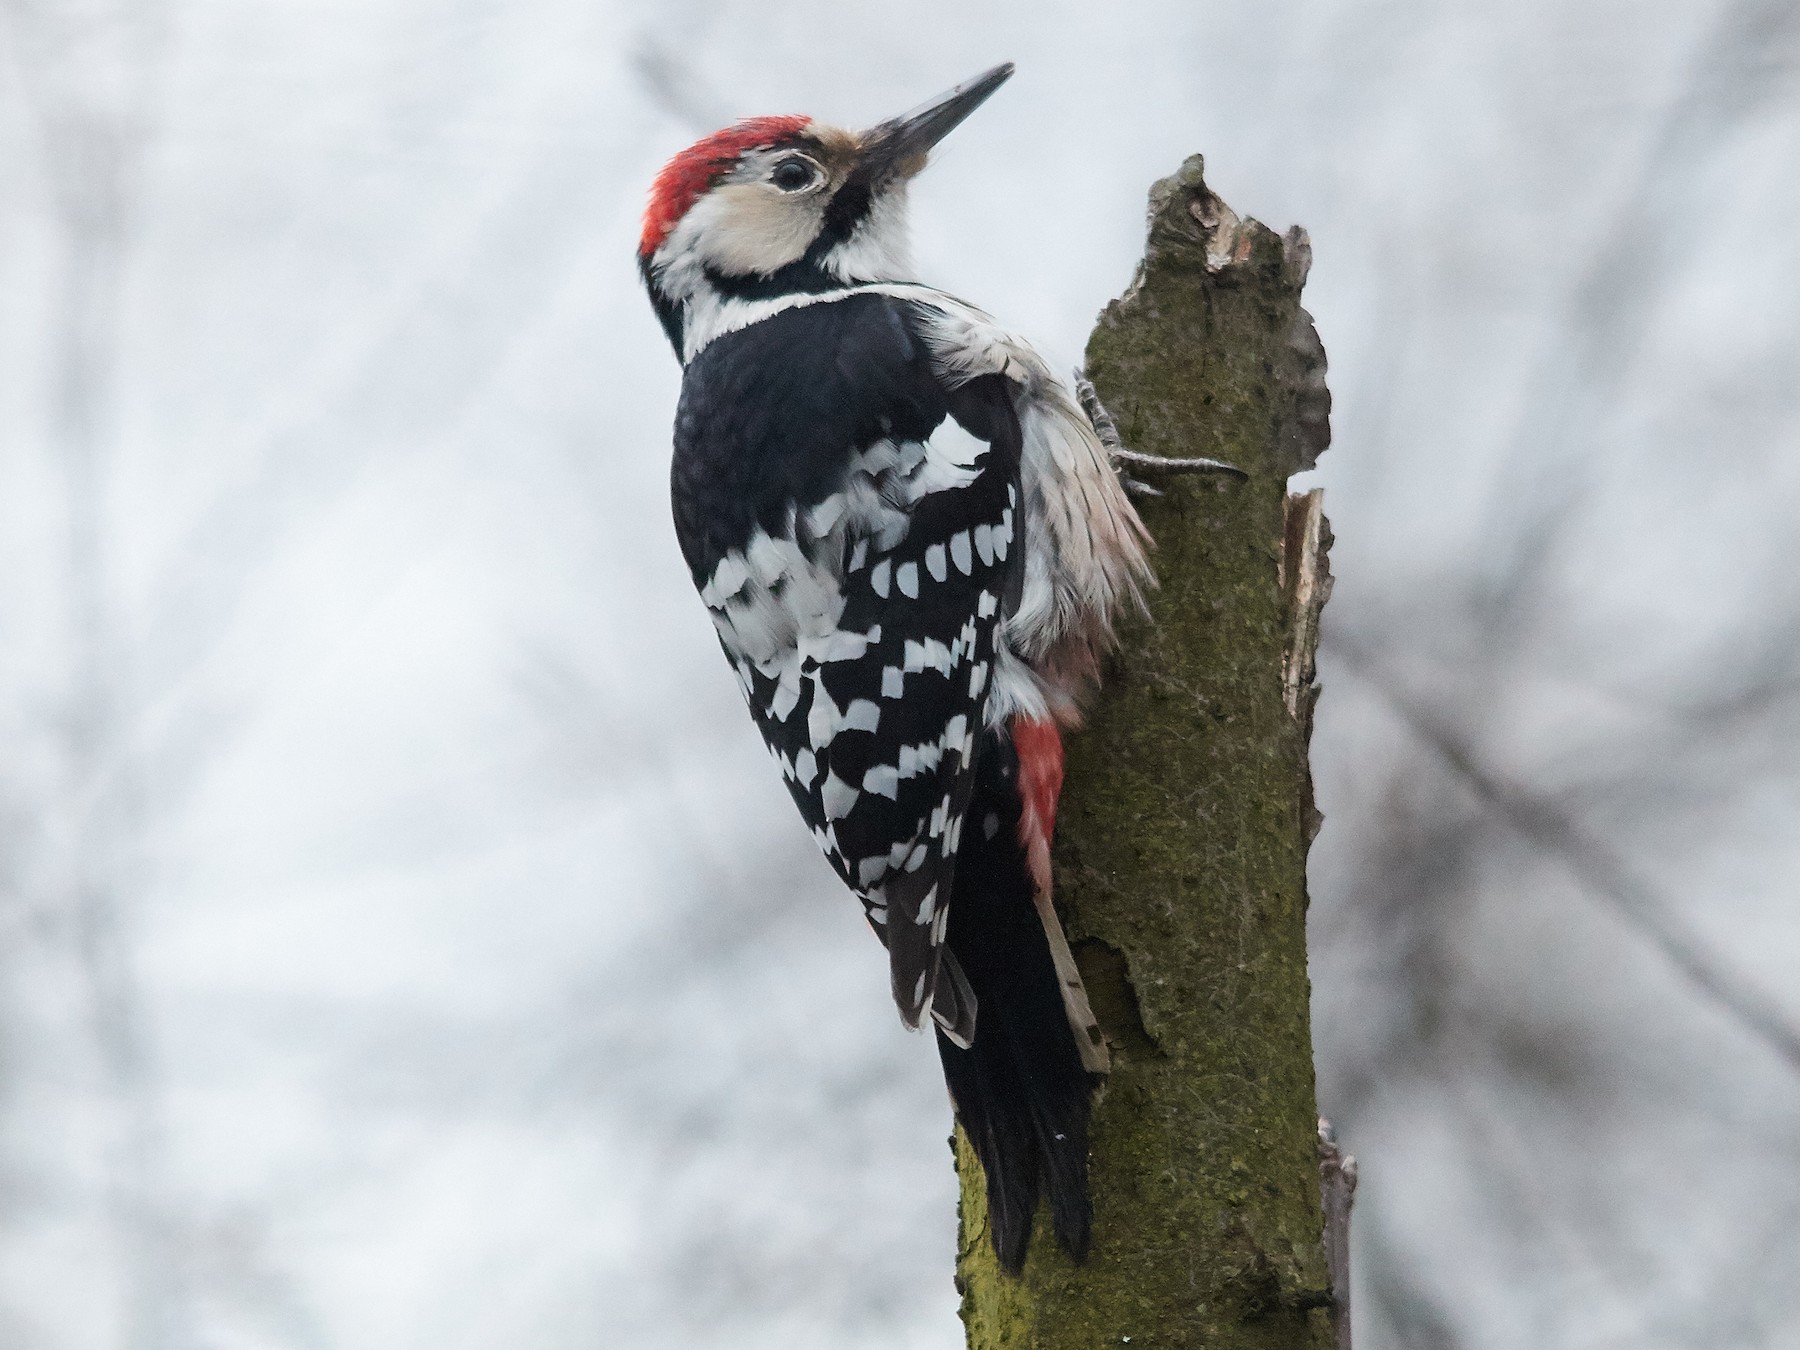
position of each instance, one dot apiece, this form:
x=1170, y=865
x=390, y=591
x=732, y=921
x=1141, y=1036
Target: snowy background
x=403, y=940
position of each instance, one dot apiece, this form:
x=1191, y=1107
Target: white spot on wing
x=727, y=580
x=767, y=560
x=823, y=517
x=960, y=552
x=907, y=577
x=935, y=562
x=823, y=718
x=922, y=758
x=893, y=683
x=949, y=461
x=837, y=797
x=883, y=780
x=956, y=732
x=787, y=694
x=879, y=578
x=838, y=645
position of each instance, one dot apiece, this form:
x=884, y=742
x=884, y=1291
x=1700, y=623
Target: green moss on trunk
x=1181, y=845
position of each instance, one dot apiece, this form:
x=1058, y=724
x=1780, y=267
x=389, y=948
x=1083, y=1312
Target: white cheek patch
x=878, y=250
x=747, y=229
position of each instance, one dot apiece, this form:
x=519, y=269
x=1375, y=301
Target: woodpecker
x=914, y=546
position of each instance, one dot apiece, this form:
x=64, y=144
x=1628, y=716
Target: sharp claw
x=1162, y=464
x=1108, y=432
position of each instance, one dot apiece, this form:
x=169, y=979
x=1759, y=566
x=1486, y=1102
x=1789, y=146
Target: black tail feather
x=1021, y=1093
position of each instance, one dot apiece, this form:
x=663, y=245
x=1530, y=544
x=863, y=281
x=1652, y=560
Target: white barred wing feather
x=864, y=639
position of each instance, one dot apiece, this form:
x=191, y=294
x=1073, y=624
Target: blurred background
x=403, y=940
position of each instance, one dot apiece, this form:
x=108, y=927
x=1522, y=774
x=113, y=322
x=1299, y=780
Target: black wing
x=857, y=552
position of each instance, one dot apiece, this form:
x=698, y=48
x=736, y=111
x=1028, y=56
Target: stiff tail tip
x=1021, y=1089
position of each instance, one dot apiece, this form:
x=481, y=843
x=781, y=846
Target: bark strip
x=1181, y=842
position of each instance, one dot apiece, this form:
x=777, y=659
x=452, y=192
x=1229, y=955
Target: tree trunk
x=1181, y=843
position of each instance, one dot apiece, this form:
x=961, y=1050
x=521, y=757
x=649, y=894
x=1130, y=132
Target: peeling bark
x=1182, y=836
x=1337, y=1193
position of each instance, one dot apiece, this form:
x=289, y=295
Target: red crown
x=687, y=177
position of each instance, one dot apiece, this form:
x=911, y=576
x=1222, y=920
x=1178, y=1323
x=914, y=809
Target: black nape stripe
x=807, y=276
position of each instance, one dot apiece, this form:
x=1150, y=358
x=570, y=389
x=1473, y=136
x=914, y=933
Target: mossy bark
x=1181, y=843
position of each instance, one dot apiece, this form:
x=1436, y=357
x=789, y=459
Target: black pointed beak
x=899, y=145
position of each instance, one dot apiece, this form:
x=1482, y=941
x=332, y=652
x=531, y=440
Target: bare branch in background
x=394, y=1069
x=92, y=75
x=1747, y=59
x=1602, y=872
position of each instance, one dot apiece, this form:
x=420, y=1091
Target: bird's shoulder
x=775, y=414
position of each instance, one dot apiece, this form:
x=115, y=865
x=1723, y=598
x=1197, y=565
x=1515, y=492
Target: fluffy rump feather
x=1086, y=561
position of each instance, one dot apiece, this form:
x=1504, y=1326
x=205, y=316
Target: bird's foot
x=1123, y=459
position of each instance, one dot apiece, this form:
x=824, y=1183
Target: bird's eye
x=794, y=174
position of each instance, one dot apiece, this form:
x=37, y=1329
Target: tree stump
x=1182, y=837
